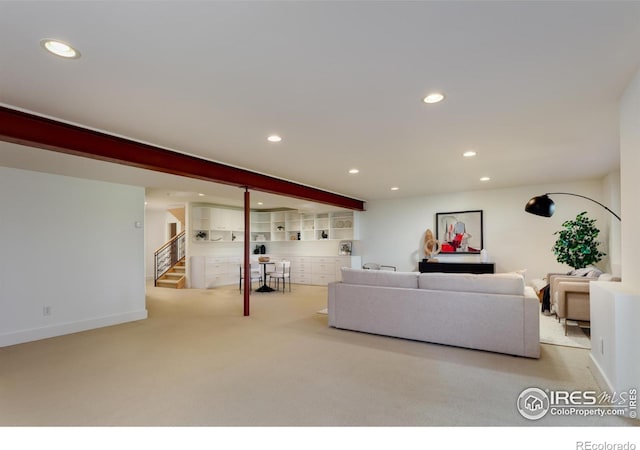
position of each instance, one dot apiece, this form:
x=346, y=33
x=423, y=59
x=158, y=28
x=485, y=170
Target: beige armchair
x=569, y=296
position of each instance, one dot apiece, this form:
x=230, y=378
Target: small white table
x=264, y=287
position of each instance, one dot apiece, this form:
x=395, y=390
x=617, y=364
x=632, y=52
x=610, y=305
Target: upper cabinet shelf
x=218, y=224
x=299, y=226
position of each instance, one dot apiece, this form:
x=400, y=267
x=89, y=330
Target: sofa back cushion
x=489, y=283
x=380, y=278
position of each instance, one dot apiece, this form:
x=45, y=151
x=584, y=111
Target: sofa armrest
x=555, y=280
x=556, y=274
x=531, y=332
x=572, y=286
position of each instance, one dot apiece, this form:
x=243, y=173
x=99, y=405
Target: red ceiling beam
x=35, y=131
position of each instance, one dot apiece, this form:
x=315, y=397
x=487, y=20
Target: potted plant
x=577, y=245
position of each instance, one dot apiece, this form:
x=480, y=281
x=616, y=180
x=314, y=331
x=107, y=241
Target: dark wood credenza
x=456, y=267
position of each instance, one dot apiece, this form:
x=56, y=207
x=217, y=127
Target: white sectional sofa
x=493, y=312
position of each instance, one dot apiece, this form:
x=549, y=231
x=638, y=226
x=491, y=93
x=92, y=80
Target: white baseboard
x=601, y=378
x=34, y=334
x=599, y=375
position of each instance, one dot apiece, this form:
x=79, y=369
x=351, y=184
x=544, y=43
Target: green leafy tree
x=577, y=245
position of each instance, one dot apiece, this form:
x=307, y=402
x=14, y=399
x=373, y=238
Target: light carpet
x=196, y=361
x=552, y=332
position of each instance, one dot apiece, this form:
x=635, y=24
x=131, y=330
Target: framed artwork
x=345, y=247
x=459, y=231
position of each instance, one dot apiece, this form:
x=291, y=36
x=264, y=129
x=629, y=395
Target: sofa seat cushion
x=380, y=278
x=489, y=283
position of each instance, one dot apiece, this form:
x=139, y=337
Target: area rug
x=552, y=332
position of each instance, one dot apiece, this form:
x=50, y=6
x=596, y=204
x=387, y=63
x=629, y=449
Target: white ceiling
x=533, y=87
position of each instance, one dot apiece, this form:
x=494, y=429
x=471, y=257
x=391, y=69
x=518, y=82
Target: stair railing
x=168, y=255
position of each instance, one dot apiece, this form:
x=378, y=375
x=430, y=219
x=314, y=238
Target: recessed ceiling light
x=60, y=48
x=485, y=179
x=200, y=194
x=434, y=97
x=274, y=138
x=395, y=188
x=469, y=154
x=260, y=203
x=354, y=171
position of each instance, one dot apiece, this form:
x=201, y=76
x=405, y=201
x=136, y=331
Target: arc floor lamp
x=543, y=206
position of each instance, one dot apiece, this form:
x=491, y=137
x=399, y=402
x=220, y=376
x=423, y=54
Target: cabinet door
x=220, y=219
x=236, y=220
x=197, y=272
x=201, y=218
x=227, y=219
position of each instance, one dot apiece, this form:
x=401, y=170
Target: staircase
x=169, y=263
x=174, y=277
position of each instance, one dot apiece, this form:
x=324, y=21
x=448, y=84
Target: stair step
x=173, y=275
x=176, y=284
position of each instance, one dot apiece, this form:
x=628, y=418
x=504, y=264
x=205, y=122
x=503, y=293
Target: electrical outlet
x=46, y=310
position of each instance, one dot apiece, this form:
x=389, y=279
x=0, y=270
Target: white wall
x=612, y=200
x=629, y=170
x=615, y=307
x=393, y=230
x=70, y=245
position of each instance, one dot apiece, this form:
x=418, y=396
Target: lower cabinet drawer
x=326, y=268
x=216, y=268
x=322, y=278
x=300, y=278
x=302, y=266
x=217, y=280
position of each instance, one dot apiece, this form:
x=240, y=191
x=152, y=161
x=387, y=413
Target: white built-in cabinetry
x=211, y=271
x=208, y=271
x=300, y=226
x=216, y=224
x=211, y=266
x=260, y=226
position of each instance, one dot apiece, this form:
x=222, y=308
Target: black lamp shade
x=541, y=205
